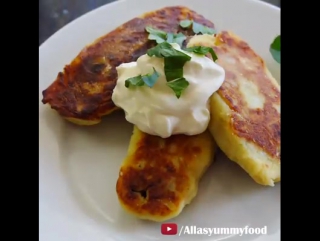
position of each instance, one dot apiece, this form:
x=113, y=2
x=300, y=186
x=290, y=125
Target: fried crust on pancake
x=160, y=176
x=245, y=111
x=82, y=93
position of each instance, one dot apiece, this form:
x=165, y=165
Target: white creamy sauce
x=157, y=110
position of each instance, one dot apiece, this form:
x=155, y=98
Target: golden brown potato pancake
x=160, y=176
x=245, y=111
x=82, y=92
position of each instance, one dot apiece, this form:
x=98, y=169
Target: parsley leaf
x=178, y=38
x=157, y=50
x=197, y=27
x=160, y=36
x=150, y=79
x=134, y=81
x=275, y=49
x=207, y=30
x=170, y=37
x=173, y=68
x=178, y=86
x=203, y=51
x=185, y=23
x=140, y=80
x=166, y=50
x=174, y=60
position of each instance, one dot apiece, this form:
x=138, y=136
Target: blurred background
x=54, y=14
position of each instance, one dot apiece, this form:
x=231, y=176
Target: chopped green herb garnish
x=134, y=81
x=185, y=23
x=275, y=49
x=203, y=51
x=140, y=80
x=178, y=85
x=157, y=50
x=170, y=37
x=174, y=61
x=166, y=50
x=178, y=38
x=160, y=36
x=197, y=27
x=173, y=67
x=207, y=30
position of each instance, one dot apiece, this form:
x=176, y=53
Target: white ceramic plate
x=78, y=166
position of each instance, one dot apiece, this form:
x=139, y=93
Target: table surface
x=54, y=14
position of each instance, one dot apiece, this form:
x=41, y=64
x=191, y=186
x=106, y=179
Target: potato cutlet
x=245, y=111
x=160, y=176
x=82, y=92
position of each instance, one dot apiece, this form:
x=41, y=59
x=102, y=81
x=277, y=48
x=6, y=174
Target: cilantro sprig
x=275, y=49
x=140, y=80
x=155, y=34
x=166, y=50
x=197, y=27
x=160, y=36
x=174, y=61
x=201, y=50
x=178, y=85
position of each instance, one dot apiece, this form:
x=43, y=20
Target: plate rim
x=123, y=1
x=104, y=8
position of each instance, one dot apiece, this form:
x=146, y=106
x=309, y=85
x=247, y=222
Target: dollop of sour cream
x=157, y=110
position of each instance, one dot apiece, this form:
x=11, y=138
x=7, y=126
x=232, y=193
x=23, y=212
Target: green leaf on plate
x=275, y=49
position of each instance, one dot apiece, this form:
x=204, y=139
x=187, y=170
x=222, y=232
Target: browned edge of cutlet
x=260, y=126
x=154, y=182
x=84, y=89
